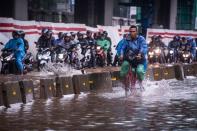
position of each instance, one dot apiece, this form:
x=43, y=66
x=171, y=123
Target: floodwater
x=163, y=105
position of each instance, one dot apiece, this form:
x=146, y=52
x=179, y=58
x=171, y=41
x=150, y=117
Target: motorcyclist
x=96, y=36
x=105, y=44
x=68, y=45
x=160, y=44
x=17, y=45
x=46, y=40
x=152, y=42
x=73, y=38
x=60, y=40
x=109, y=56
x=82, y=42
x=91, y=44
x=191, y=46
x=175, y=45
x=67, y=41
x=134, y=54
x=24, y=40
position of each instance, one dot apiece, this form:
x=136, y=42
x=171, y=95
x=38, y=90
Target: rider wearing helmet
x=191, y=46
x=46, y=40
x=91, y=44
x=60, y=40
x=82, y=42
x=17, y=45
x=134, y=53
x=109, y=56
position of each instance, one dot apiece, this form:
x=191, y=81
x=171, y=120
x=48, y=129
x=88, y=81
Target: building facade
x=169, y=14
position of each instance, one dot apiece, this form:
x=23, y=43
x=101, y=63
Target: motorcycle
x=43, y=57
x=100, y=56
x=171, y=56
x=28, y=62
x=186, y=57
x=87, y=60
x=9, y=62
x=60, y=55
x=74, y=60
x=158, y=55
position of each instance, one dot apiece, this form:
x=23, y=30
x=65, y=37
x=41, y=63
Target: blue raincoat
x=138, y=45
x=19, y=51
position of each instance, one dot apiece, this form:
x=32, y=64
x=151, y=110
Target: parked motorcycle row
x=182, y=50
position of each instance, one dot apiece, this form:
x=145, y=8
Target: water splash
x=52, y=69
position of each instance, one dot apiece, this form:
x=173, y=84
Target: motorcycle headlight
x=39, y=57
x=196, y=48
x=171, y=52
x=8, y=58
x=98, y=47
x=151, y=53
x=187, y=55
x=157, y=51
x=61, y=56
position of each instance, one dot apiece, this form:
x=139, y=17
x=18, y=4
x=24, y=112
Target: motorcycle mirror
x=1, y=43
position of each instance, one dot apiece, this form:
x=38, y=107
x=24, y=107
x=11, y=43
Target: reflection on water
x=164, y=105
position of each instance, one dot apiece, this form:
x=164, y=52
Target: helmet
x=88, y=32
x=44, y=30
x=189, y=38
x=79, y=34
x=177, y=37
x=16, y=34
x=105, y=33
x=67, y=35
x=72, y=33
x=22, y=33
x=49, y=33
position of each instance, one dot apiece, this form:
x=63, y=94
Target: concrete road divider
x=47, y=88
x=179, y=72
x=64, y=86
x=154, y=73
x=11, y=93
x=1, y=95
x=115, y=77
x=149, y=74
x=81, y=83
x=157, y=73
x=168, y=72
x=189, y=70
x=67, y=85
x=100, y=81
x=27, y=90
x=58, y=87
x=195, y=68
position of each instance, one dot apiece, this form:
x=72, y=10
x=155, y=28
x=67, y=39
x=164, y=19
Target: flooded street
x=164, y=105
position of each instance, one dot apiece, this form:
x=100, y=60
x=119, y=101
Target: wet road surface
x=164, y=105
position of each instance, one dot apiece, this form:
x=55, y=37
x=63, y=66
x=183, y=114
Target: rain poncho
x=139, y=71
x=19, y=51
x=105, y=44
x=137, y=46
